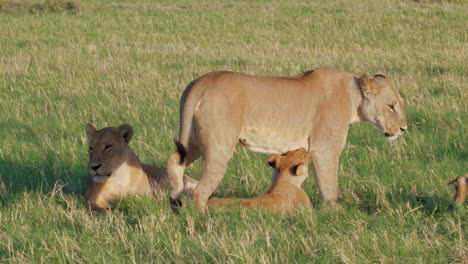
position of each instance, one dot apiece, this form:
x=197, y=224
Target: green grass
x=113, y=62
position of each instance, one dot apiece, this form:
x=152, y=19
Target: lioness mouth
x=391, y=137
x=101, y=178
x=104, y=175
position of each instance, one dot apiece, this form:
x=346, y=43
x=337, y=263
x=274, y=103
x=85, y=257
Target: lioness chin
x=276, y=114
x=114, y=171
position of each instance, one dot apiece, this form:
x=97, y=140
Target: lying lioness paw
x=285, y=194
x=114, y=171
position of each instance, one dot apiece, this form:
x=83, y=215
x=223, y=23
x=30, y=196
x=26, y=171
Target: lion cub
x=285, y=194
x=114, y=171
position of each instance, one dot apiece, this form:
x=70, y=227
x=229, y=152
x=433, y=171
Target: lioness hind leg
x=189, y=183
x=98, y=207
x=213, y=169
x=175, y=173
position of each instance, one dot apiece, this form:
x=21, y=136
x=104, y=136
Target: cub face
x=292, y=165
x=107, y=150
x=383, y=105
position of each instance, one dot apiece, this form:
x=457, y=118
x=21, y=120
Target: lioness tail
x=182, y=151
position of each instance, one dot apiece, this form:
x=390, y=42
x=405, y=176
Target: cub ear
x=299, y=169
x=126, y=132
x=90, y=131
x=367, y=86
x=380, y=74
x=274, y=161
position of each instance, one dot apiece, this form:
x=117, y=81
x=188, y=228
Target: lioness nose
x=96, y=167
x=403, y=128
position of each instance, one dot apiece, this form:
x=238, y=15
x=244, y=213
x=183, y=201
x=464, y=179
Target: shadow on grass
x=430, y=205
x=17, y=7
x=41, y=177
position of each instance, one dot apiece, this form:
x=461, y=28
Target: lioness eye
x=90, y=149
x=391, y=107
x=107, y=147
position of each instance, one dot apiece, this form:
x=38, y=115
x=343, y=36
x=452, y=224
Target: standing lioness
x=114, y=171
x=276, y=114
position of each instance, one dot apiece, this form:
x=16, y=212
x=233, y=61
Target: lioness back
x=260, y=105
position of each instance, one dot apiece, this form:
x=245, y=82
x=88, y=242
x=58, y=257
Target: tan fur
x=461, y=189
x=120, y=172
x=277, y=114
x=285, y=195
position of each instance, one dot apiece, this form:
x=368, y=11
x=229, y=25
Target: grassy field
x=63, y=65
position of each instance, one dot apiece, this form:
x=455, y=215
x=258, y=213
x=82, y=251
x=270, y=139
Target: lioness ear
x=380, y=74
x=367, y=86
x=90, y=131
x=125, y=131
x=274, y=161
x=299, y=170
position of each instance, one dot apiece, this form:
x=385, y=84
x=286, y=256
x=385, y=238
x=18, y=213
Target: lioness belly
x=271, y=142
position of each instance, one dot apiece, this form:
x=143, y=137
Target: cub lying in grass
x=114, y=171
x=285, y=194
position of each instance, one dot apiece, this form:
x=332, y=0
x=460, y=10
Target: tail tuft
x=182, y=152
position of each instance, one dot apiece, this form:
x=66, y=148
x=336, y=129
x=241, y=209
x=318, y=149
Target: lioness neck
x=139, y=182
x=356, y=100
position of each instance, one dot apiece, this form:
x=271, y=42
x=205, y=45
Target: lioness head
x=108, y=148
x=292, y=164
x=382, y=105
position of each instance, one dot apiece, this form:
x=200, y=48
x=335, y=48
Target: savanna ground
x=64, y=64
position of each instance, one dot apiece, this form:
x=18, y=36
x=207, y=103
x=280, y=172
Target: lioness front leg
x=326, y=174
x=97, y=207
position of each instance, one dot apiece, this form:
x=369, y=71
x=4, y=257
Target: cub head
x=108, y=149
x=292, y=165
x=382, y=105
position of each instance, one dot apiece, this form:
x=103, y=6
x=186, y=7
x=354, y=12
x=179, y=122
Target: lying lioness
x=285, y=194
x=114, y=171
